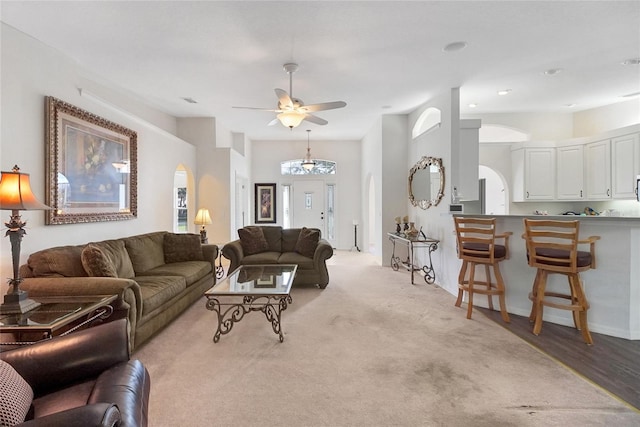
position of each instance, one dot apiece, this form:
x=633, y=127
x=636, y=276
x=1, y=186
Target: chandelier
x=308, y=163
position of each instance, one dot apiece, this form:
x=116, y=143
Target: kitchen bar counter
x=613, y=288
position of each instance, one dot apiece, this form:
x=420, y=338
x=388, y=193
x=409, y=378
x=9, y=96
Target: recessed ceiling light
x=190, y=100
x=553, y=71
x=473, y=105
x=386, y=107
x=455, y=46
x=631, y=61
x=504, y=92
x=569, y=105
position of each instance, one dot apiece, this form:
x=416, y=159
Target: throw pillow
x=252, y=240
x=96, y=263
x=307, y=242
x=16, y=396
x=182, y=247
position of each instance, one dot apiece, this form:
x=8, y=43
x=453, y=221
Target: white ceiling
x=381, y=57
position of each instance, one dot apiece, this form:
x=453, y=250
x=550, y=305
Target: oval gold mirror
x=426, y=182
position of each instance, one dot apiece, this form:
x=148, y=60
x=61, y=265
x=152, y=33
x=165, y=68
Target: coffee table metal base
x=271, y=305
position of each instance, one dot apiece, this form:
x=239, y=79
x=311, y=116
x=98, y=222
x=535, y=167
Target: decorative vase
x=412, y=232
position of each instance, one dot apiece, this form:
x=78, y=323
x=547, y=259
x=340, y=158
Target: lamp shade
x=202, y=217
x=16, y=194
x=291, y=118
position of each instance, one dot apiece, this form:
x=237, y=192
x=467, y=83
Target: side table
x=413, y=243
x=60, y=315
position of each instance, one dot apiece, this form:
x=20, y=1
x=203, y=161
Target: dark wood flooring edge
x=595, y=370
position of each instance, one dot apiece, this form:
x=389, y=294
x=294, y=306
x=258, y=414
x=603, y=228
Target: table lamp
x=203, y=218
x=16, y=196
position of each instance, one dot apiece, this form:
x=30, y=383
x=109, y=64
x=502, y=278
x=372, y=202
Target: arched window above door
x=294, y=167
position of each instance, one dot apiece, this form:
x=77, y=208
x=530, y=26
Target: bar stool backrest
x=476, y=240
x=553, y=245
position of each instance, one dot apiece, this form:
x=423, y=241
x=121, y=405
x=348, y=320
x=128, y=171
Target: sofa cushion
x=117, y=254
x=262, y=258
x=182, y=247
x=156, y=290
x=273, y=236
x=307, y=242
x=146, y=250
x=303, y=262
x=62, y=261
x=252, y=240
x=96, y=263
x=15, y=396
x=192, y=271
x=289, y=239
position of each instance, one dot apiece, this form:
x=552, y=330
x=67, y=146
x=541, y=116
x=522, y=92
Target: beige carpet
x=369, y=350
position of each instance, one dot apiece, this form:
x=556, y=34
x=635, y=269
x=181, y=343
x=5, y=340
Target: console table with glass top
x=413, y=244
x=264, y=288
x=58, y=315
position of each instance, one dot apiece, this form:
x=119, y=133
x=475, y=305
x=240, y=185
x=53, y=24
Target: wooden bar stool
x=552, y=247
x=476, y=244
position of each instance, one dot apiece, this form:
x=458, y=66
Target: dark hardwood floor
x=612, y=363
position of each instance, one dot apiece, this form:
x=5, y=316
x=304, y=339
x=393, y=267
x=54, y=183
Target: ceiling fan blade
x=260, y=109
x=273, y=122
x=315, y=119
x=323, y=106
x=284, y=100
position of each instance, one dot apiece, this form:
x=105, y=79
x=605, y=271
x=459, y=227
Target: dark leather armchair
x=84, y=379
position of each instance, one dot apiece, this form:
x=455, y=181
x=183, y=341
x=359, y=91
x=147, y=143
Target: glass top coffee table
x=59, y=315
x=264, y=288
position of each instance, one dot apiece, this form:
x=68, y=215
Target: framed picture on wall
x=265, y=198
x=91, y=171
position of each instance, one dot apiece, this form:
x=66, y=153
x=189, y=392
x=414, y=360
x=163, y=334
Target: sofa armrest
x=60, y=361
x=128, y=290
x=128, y=385
x=210, y=253
x=323, y=252
x=98, y=415
x=234, y=253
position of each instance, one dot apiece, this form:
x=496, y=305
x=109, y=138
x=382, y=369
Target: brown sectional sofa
x=155, y=275
x=283, y=246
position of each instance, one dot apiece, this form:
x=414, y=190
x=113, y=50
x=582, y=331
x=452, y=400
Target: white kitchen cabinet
x=534, y=173
x=570, y=173
x=598, y=170
x=625, y=166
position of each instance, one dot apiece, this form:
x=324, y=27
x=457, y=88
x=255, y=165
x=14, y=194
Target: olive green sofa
x=300, y=246
x=156, y=276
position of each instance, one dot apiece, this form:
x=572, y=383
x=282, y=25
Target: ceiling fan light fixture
x=291, y=118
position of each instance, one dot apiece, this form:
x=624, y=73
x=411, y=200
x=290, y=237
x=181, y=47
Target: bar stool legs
x=488, y=287
x=578, y=303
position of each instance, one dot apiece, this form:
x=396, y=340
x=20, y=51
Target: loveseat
x=155, y=275
x=83, y=379
x=276, y=245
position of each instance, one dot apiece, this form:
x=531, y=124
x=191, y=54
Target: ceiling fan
x=292, y=111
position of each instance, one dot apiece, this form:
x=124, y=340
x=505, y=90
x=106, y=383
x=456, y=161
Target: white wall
x=30, y=71
x=371, y=174
x=436, y=221
x=265, y=168
x=603, y=119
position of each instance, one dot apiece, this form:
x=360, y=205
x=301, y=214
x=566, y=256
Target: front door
x=309, y=205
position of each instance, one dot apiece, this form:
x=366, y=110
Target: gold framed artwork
x=265, y=197
x=91, y=167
